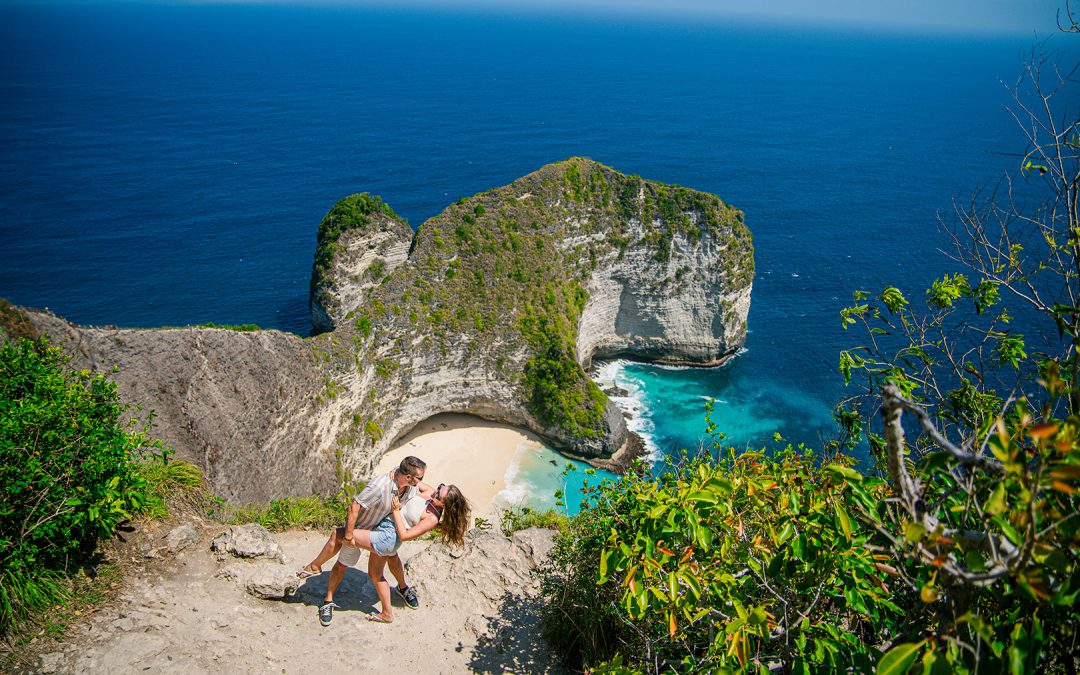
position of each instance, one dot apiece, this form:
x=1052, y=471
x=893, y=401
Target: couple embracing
x=394, y=507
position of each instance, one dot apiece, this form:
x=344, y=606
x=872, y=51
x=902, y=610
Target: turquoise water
x=668, y=410
x=537, y=474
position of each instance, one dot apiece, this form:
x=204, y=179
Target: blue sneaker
x=409, y=596
x=326, y=613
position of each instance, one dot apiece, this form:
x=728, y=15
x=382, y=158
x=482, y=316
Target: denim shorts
x=384, y=538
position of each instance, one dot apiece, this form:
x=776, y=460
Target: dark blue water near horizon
x=169, y=165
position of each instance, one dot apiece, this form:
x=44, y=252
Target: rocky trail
x=189, y=612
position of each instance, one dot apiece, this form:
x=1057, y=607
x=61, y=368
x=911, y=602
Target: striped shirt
x=375, y=500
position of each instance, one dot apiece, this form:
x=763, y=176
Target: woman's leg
x=376, y=565
x=329, y=550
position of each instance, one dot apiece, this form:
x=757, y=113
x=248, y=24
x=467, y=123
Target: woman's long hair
x=455, y=517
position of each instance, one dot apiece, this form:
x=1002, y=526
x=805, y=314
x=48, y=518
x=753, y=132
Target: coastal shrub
x=559, y=393
x=721, y=563
x=377, y=269
x=373, y=430
x=240, y=328
x=784, y=562
x=363, y=324
x=986, y=424
x=69, y=471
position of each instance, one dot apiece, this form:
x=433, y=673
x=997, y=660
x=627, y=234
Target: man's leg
x=348, y=557
x=336, y=575
x=404, y=590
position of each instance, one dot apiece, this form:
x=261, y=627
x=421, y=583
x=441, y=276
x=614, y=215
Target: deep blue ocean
x=169, y=165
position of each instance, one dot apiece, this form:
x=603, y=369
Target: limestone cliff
x=361, y=241
x=494, y=308
x=237, y=404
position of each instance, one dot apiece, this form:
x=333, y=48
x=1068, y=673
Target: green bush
x=240, y=328
x=749, y=561
x=68, y=471
x=560, y=394
x=377, y=269
x=720, y=565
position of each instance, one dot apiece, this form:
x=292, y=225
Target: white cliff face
x=683, y=310
x=361, y=263
x=491, y=309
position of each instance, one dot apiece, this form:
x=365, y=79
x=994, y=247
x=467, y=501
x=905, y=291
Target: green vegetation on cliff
x=558, y=394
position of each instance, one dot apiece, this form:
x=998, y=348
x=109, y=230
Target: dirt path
x=178, y=616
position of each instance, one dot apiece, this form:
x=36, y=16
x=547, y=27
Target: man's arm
x=351, y=516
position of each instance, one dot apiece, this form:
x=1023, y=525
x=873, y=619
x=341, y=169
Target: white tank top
x=413, y=511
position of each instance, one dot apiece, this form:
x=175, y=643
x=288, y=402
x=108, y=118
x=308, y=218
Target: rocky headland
x=496, y=308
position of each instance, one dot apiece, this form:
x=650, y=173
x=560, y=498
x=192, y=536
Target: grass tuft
x=171, y=484
x=514, y=520
x=293, y=512
x=27, y=592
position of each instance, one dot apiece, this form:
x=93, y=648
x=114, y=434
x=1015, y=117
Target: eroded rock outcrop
x=506, y=296
x=361, y=242
x=494, y=307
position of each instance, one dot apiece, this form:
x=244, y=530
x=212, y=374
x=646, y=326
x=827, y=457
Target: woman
x=444, y=508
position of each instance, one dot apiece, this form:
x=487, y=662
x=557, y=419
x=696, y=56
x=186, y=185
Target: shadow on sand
x=355, y=594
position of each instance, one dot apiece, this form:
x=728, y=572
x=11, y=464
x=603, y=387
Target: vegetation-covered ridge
x=502, y=280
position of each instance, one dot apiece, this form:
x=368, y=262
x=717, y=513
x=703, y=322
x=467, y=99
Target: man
x=365, y=512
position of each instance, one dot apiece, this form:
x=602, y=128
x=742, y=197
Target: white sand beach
x=472, y=453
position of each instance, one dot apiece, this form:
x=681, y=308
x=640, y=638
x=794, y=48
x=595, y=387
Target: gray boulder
x=263, y=579
x=535, y=542
x=181, y=537
x=480, y=577
x=248, y=541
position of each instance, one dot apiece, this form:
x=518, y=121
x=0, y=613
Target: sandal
x=306, y=572
x=375, y=617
